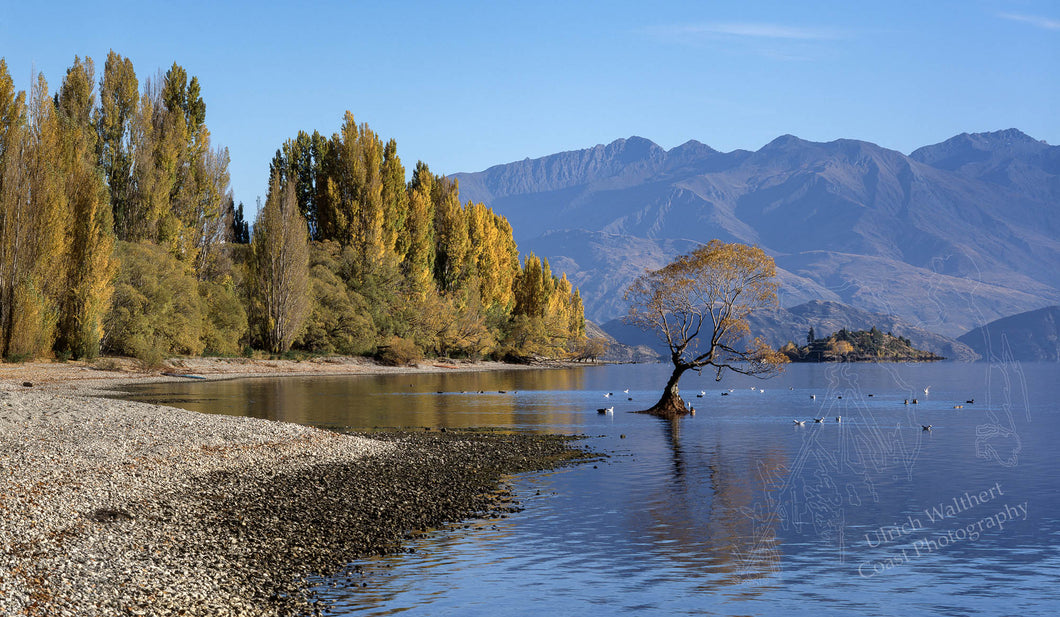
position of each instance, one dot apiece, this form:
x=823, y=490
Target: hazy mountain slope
x=778, y=326
x=957, y=234
x=1030, y=336
x=1007, y=158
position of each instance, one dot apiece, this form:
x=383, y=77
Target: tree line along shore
x=119, y=235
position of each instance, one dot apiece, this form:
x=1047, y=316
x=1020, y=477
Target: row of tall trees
x=395, y=262
x=118, y=233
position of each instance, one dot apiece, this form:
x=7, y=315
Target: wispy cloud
x=1035, y=20
x=747, y=30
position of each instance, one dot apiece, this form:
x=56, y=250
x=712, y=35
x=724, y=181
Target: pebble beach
x=111, y=507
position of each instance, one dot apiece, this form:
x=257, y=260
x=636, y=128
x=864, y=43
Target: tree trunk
x=671, y=405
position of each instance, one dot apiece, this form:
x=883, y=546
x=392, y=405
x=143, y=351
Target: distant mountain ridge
x=781, y=325
x=950, y=237
x=1030, y=336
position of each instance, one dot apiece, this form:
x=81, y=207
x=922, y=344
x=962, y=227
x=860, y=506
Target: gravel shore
x=112, y=507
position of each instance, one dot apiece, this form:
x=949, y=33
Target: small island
x=859, y=346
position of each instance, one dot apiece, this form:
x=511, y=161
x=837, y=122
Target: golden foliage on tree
x=131, y=165
x=698, y=305
x=89, y=250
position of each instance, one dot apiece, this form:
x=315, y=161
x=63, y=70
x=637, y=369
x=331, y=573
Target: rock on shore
x=119, y=508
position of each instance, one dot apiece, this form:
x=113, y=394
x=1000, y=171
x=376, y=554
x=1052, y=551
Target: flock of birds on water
x=838, y=419
x=703, y=393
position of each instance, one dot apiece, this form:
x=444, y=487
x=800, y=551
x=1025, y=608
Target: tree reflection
x=703, y=525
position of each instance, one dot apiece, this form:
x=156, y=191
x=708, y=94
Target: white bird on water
x=927, y=390
x=610, y=409
x=799, y=422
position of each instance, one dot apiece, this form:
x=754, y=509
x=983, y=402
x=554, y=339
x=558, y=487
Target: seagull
x=926, y=427
x=799, y=422
x=608, y=395
x=626, y=390
x=927, y=390
x=818, y=420
x=606, y=409
x=701, y=394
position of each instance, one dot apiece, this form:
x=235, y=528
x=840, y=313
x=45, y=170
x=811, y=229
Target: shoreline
x=102, y=376
x=113, y=507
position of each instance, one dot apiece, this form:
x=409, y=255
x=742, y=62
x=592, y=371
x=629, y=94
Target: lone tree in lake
x=699, y=304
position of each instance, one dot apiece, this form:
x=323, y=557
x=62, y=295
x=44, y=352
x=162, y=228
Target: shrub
x=157, y=310
x=399, y=352
x=225, y=320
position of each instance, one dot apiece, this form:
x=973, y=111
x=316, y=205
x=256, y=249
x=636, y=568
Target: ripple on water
x=735, y=511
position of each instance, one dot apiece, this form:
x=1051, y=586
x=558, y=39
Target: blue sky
x=463, y=86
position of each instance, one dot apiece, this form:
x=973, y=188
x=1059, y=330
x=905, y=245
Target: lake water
x=736, y=511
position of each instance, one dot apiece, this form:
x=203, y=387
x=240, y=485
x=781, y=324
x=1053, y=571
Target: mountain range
x=947, y=238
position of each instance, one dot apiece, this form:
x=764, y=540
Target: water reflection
x=703, y=525
x=729, y=512
x=453, y=400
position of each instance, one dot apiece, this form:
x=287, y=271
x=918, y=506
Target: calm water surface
x=736, y=511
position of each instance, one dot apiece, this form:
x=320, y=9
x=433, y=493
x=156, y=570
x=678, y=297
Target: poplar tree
x=90, y=264
x=418, y=233
x=395, y=202
x=119, y=105
x=280, y=268
x=14, y=195
x=34, y=231
x=451, y=244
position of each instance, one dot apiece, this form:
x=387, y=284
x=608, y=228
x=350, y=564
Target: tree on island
x=710, y=291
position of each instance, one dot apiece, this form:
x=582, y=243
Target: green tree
x=450, y=236
x=340, y=321
x=119, y=105
x=280, y=269
x=239, y=231
x=395, y=201
x=157, y=309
